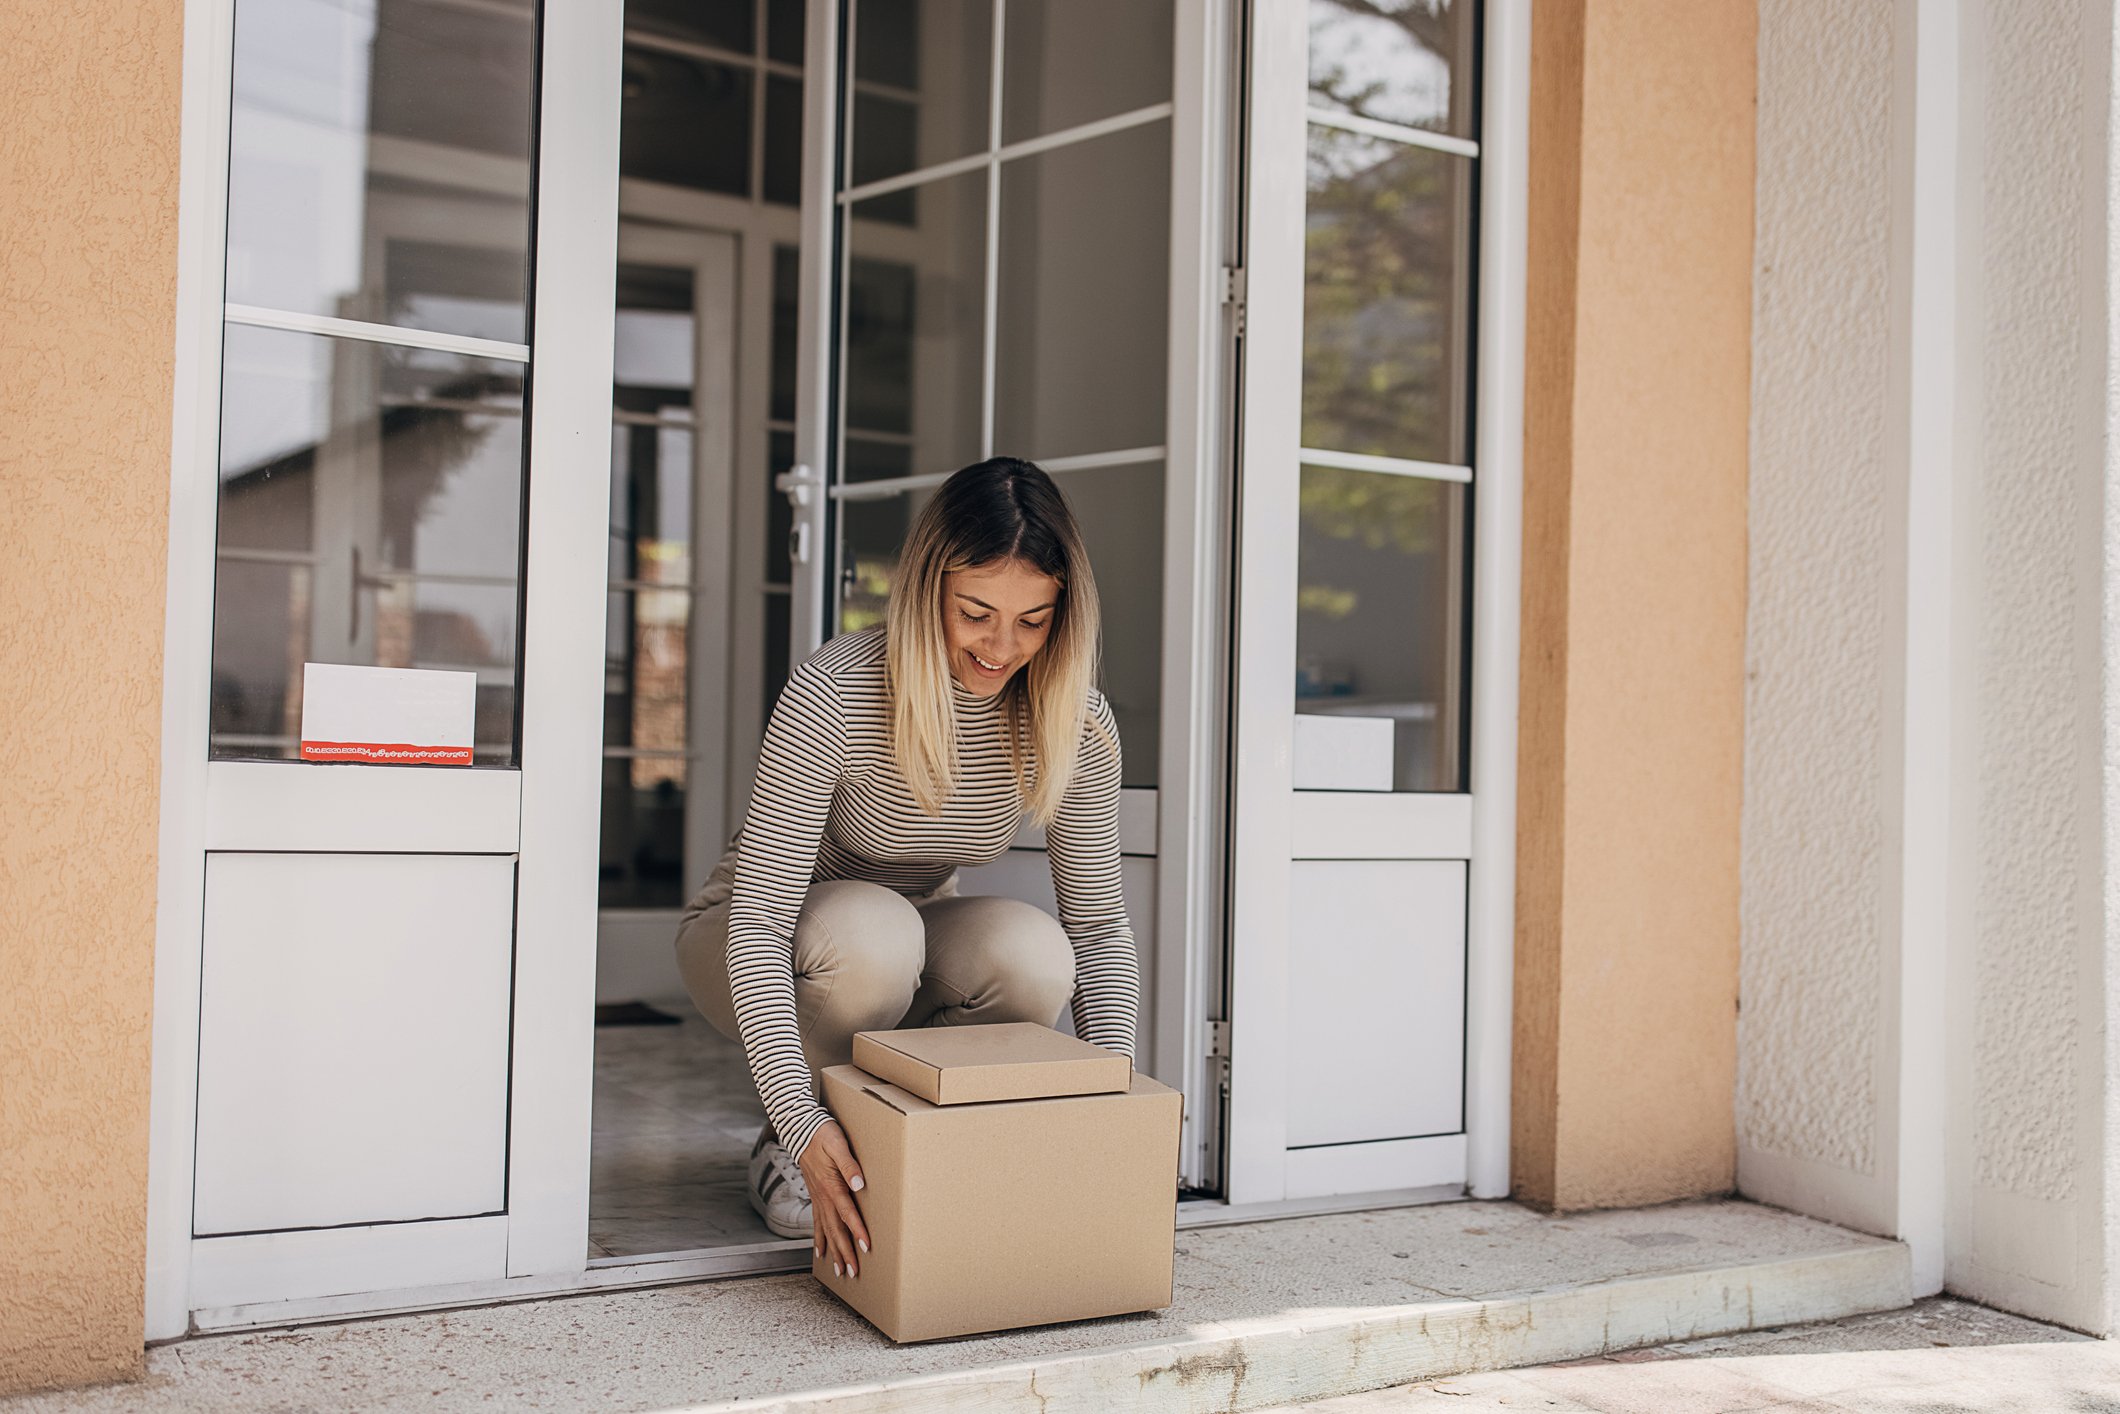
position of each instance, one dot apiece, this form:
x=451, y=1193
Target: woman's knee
x=860, y=945
x=1010, y=959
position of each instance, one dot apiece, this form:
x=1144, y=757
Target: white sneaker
x=777, y=1189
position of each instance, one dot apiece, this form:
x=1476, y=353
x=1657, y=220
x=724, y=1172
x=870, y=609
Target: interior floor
x=675, y=1119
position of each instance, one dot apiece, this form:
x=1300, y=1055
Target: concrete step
x=1266, y=1313
x=1308, y=1353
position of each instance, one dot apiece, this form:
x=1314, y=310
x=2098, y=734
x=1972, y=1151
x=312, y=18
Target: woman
x=895, y=756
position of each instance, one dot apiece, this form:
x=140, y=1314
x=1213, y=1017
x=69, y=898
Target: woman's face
x=995, y=618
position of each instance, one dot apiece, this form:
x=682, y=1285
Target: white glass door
x=1003, y=256
x=1355, y=848
x=399, y=905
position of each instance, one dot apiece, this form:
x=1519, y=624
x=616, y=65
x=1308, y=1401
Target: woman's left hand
x=834, y=1178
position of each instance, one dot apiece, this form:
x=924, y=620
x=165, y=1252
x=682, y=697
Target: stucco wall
x=2025, y=1081
x=88, y=180
x=2026, y=1169
x=1823, y=612
x=1638, y=308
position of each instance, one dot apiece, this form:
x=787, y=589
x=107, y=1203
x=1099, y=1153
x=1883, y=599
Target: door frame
x=715, y=259
x=1206, y=654
x=1272, y=824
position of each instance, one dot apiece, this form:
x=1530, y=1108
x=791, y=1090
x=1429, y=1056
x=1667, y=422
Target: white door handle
x=798, y=483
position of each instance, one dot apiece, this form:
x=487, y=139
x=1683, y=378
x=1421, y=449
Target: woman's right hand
x=834, y=1178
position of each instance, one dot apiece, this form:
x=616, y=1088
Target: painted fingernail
x=862, y=1243
x=836, y=1270
x=855, y=1183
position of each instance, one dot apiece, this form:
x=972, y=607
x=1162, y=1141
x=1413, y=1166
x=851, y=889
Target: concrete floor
x=1265, y=1313
x=1938, y=1356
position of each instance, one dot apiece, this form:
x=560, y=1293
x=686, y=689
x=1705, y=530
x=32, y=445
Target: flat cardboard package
x=1019, y=1208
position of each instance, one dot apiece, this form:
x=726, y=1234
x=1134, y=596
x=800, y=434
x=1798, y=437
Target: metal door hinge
x=1218, y=1054
x=1233, y=292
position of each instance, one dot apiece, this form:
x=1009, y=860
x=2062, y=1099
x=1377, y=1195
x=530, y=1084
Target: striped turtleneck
x=829, y=802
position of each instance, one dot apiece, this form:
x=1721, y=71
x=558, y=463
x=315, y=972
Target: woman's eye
x=973, y=618
x=1034, y=627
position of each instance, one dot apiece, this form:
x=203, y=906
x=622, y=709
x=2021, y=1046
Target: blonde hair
x=987, y=513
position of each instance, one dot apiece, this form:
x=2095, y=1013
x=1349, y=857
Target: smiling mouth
x=985, y=666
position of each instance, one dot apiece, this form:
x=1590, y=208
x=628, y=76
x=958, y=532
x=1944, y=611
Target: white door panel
x=273, y=805
x=1376, y=1002
x=230, y=1274
x=353, y=1057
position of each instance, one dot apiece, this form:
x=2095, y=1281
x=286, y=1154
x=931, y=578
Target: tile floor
x=673, y=1126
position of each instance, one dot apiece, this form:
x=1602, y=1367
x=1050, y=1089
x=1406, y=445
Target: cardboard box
x=968, y=1065
x=1008, y=1212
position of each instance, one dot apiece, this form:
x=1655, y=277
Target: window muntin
x=1006, y=292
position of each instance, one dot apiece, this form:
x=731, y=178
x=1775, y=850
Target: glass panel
x=641, y=846
x=783, y=174
x=914, y=324
x=1387, y=299
x=776, y=674
x=921, y=84
x=1081, y=344
x=1120, y=510
x=879, y=461
x=871, y=533
x=651, y=504
x=646, y=635
x=1380, y=625
x=643, y=834
x=784, y=27
x=787, y=311
x=726, y=24
x=370, y=512
x=685, y=121
x=358, y=124
x=1074, y=61
x=780, y=516
x=1409, y=62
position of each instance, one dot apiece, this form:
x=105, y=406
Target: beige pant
x=869, y=959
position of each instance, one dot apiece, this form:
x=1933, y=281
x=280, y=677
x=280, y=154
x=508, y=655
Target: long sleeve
x=799, y=769
x=1082, y=845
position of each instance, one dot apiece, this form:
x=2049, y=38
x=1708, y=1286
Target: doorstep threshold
x=773, y=1257
x=1265, y=1313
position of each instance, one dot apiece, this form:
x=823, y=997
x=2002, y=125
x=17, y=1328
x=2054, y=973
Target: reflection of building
x=1770, y=673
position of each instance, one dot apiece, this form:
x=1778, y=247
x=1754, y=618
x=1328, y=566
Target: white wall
x=2028, y=1075
x=1923, y=1042
x=1813, y=980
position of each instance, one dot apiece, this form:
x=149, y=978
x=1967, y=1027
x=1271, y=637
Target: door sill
x=717, y=1263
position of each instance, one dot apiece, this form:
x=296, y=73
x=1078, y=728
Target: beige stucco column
x=88, y=200
x=1634, y=599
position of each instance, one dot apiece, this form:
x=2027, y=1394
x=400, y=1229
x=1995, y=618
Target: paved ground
x=1264, y=1298
x=1938, y=1356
